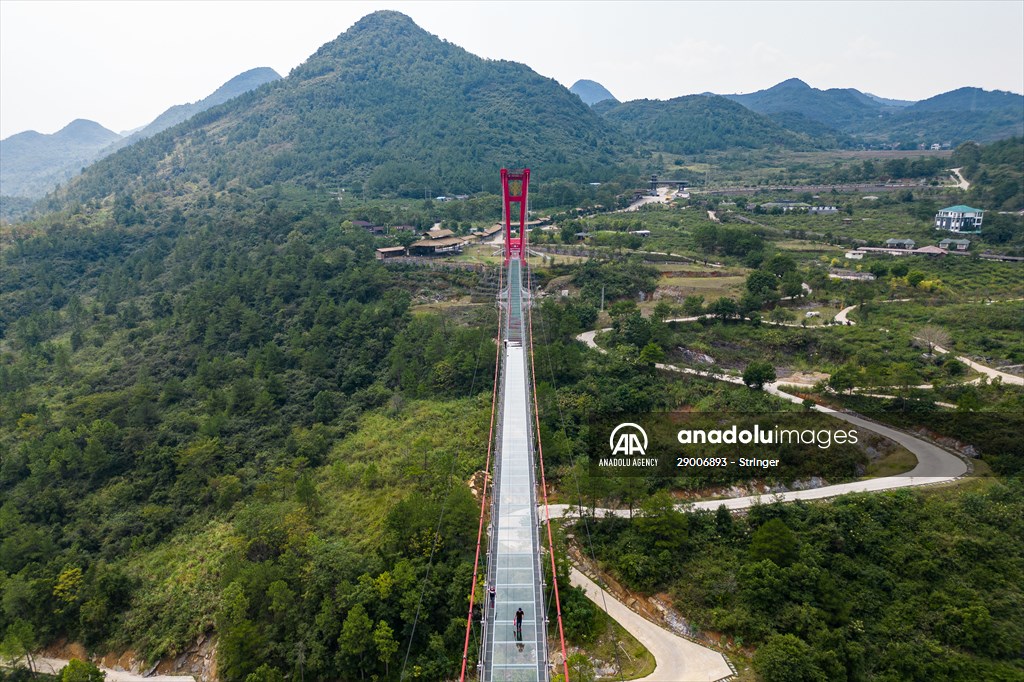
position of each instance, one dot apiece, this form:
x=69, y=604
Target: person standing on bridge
x=519, y=623
x=491, y=591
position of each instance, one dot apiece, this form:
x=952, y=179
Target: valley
x=286, y=386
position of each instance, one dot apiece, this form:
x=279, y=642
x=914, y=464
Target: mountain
x=591, y=92
x=32, y=163
x=956, y=116
x=885, y=101
x=387, y=105
x=971, y=99
x=242, y=83
x=697, y=123
x=835, y=108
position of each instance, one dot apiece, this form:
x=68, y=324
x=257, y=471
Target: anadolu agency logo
x=628, y=445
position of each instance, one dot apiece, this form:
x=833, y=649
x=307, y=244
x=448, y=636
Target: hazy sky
x=123, y=63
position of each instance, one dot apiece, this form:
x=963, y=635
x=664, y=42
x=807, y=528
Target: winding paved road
x=676, y=659
x=934, y=465
x=961, y=182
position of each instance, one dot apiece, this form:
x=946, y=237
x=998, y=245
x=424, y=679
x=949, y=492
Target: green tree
x=384, y=641
x=787, y=658
x=324, y=407
x=265, y=673
x=758, y=373
x=81, y=671
x=843, y=379
x=241, y=644
x=651, y=354
x=693, y=305
x=723, y=308
x=356, y=634
x=760, y=283
x=19, y=642
x=581, y=668
x=776, y=542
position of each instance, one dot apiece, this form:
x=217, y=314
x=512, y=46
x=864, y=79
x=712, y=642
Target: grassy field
x=708, y=287
x=993, y=331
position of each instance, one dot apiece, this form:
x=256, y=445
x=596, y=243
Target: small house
x=368, y=226
x=390, y=252
x=899, y=243
x=955, y=244
x=437, y=247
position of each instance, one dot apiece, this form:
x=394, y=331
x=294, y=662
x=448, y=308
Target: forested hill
x=696, y=123
x=386, y=103
x=835, y=108
x=955, y=116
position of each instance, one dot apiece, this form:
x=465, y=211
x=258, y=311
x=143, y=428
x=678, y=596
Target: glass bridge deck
x=514, y=563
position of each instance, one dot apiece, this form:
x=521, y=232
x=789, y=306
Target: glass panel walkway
x=514, y=557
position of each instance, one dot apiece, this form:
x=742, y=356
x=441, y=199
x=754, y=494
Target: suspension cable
x=483, y=493
x=440, y=521
x=543, y=481
x=579, y=493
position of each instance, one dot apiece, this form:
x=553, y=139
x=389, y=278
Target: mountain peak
x=82, y=129
x=792, y=83
x=384, y=19
x=591, y=92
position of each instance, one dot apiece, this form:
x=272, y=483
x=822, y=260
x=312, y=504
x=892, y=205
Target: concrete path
x=52, y=666
x=677, y=659
x=691, y=259
x=987, y=371
x=841, y=315
x=961, y=182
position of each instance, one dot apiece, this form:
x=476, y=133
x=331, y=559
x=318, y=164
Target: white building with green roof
x=962, y=219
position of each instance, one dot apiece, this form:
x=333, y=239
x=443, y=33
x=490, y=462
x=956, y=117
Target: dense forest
x=996, y=171
x=698, y=123
x=232, y=420
x=893, y=586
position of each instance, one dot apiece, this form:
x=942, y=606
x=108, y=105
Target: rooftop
x=960, y=208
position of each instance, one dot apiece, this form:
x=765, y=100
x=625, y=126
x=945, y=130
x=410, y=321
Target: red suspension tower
x=514, y=189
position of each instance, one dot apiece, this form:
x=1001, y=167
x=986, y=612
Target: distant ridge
x=971, y=99
x=591, y=92
x=696, y=123
x=953, y=117
x=31, y=163
x=242, y=83
x=890, y=102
